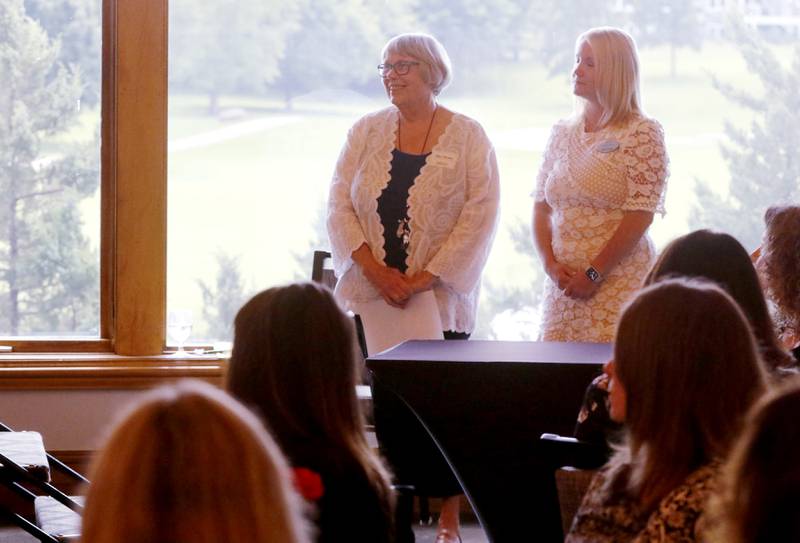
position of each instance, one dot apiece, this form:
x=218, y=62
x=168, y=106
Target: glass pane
x=262, y=96
x=50, y=59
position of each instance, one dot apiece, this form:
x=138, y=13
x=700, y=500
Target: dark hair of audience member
x=190, y=464
x=760, y=492
x=779, y=263
x=678, y=340
x=720, y=258
x=294, y=361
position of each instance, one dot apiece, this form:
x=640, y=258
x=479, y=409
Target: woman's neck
x=420, y=112
x=591, y=116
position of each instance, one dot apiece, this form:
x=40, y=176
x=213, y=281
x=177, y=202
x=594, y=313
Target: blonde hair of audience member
x=676, y=339
x=617, y=85
x=294, y=360
x=190, y=464
x=760, y=492
x=779, y=264
x=720, y=258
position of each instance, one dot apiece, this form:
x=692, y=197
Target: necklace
x=428, y=133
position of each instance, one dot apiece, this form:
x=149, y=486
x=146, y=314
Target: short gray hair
x=437, y=70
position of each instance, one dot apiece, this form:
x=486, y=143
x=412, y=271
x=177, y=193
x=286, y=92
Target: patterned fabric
x=594, y=419
x=452, y=207
x=618, y=519
x=590, y=180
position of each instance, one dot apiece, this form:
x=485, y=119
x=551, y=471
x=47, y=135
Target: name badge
x=608, y=146
x=443, y=159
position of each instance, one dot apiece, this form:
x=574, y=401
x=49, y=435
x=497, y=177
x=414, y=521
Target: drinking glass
x=179, y=328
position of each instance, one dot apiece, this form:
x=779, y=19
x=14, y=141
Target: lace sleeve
x=646, y=163
x=460, y=261
x=548, y=161
x=344, y=228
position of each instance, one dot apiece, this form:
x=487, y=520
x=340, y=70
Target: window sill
x=68, y=371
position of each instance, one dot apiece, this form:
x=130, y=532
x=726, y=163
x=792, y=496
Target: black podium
x=486, y=403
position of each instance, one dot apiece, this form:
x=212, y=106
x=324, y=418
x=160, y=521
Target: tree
x=517, y=300
x=77, y=26
x=221, y=47
x=48, y=272
x=331, y=48
x=561, y=23
x=222, y=301
x=763, y=160
x=672, y=22
x=472, y=30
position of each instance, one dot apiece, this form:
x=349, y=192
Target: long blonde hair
x=617, y=81
x=189, y=464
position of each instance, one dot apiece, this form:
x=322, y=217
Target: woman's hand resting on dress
x=561, y=274
x=581, y=287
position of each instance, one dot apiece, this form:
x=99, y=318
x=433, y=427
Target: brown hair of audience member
x=687, y=362
x=190, y=464
x=720, y=258
x=760, y=492
x=294, y=360
x=780, y=263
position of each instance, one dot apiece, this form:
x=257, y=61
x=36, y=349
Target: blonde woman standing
x=602, y=179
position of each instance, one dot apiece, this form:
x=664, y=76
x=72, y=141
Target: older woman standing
x=414, y=201
x=602, y=179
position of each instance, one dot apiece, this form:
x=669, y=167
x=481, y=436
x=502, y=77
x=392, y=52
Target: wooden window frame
x=133, y=268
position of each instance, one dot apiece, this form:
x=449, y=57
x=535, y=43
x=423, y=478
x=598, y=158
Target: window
x=50, y=173
x=257, y=118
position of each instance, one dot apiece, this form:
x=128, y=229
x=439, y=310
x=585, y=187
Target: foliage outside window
x=50, y=61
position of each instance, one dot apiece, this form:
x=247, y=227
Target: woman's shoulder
x=375, y=119
x=640, y=123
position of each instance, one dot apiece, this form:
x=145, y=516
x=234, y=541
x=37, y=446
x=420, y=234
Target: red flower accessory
x=308, y=483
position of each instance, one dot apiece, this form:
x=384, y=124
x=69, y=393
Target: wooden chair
x=574, y=464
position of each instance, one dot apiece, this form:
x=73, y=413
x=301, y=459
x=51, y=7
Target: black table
x=486, y=403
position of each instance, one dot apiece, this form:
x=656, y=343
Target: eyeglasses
x=400, y=68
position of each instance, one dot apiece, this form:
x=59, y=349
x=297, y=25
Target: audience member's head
x=779, y=264
x=720, y=258
x=760, y=493
x=190, y=464
x=294, y=360
x=685, y=370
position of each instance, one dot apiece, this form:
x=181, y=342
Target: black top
x=350, y=508
x=393, y=207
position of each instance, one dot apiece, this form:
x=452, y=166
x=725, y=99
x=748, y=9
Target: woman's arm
x=543, y=241
x=633, y=226
x=344, y=228
x=460, y=260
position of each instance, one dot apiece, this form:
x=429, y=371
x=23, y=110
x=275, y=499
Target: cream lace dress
x=590, y=180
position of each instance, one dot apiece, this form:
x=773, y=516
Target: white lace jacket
x=452, y=210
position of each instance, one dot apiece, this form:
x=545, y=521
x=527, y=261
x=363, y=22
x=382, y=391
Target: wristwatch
x=593, y=275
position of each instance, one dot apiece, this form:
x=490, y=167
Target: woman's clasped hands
x=395, y=287
x=574, y=283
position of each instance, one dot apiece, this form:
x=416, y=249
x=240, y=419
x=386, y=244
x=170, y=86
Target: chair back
x=574, y=464
x=322, y=269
